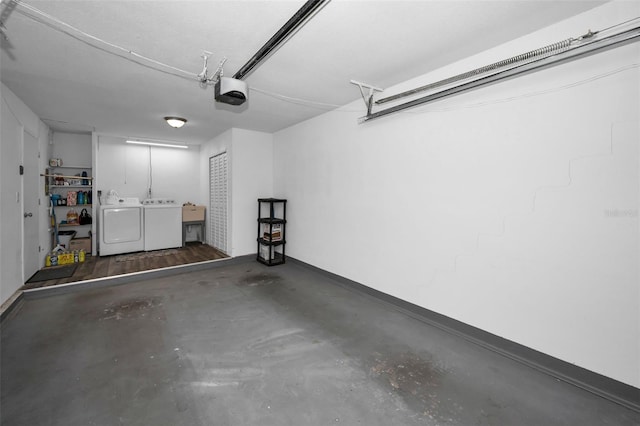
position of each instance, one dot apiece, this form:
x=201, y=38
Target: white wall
x=250, y=156
x=10, y=207
x=72, y=148
x=252, y=176
x=16, y=118
x=132, y=169
x=45, y=230
x=513, y=208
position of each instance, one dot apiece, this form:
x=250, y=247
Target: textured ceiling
x=65, y=60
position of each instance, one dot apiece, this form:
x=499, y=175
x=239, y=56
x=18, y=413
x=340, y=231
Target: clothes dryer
x=121, y=227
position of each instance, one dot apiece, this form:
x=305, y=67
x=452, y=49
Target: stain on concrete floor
x=259, y=279
x=414, y=378
x=130, y=308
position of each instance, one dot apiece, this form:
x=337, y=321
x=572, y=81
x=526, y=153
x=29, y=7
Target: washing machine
x=162, y=224
x=121, y=226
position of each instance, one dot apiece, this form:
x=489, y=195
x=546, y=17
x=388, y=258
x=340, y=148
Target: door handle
x=28, y=214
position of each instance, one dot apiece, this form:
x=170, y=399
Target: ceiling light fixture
x=166, y=145
x=175, y=122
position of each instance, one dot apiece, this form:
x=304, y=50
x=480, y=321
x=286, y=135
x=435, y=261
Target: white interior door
x=30, y=206
x=218, y=201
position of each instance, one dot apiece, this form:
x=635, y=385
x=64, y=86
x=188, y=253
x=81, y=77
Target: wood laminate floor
x=108, y=266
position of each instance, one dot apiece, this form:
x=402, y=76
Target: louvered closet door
x=218, y=172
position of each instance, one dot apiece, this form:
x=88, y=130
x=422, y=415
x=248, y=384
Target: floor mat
x=145, y=255
x=53, y=273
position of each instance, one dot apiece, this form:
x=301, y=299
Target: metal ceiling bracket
x=203, y=77
x=3, y=31
x=368, y=99
x=4, y=17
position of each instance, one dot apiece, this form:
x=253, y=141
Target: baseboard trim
x=136, y=276
x=605, y=387
x=11, y=305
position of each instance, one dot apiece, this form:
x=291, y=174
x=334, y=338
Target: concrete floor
x=245, y=344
